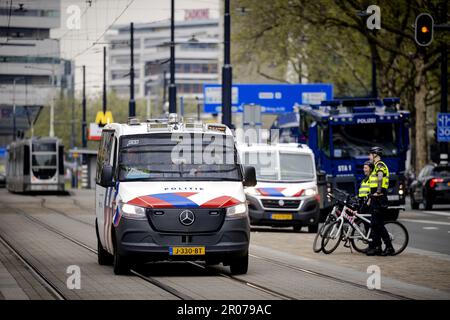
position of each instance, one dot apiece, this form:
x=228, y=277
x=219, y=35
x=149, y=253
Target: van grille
x=275, y=203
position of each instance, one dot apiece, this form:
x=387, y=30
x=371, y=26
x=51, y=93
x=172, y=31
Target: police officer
x=378, y=182
x=364, y=189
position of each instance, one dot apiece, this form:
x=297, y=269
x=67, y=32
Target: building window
x=196, y=68
x=189, y=88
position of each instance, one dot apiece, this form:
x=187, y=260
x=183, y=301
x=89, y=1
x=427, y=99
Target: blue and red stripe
x=271, y=192
x=181, y=200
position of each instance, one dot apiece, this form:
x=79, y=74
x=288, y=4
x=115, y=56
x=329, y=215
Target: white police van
x=286, y=194
x=168, y=190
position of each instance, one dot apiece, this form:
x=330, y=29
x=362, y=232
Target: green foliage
x=334, y=44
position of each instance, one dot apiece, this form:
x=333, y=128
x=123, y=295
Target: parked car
x=431, y=187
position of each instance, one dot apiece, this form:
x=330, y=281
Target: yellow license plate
x=281, y=216
x=187, y=251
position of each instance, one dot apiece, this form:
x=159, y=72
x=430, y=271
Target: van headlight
x=252, y=191
x=310, y=192
x=237, y=211
x=132, y=212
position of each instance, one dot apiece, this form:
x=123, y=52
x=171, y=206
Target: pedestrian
x=379, y=183
x=364, y=188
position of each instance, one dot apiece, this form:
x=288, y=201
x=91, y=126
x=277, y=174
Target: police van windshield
x=356, y=140
x=280, y=166
x=186, y=156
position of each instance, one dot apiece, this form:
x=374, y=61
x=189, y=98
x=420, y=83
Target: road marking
x=430, y=228
x=438, y=213
x=426, y=222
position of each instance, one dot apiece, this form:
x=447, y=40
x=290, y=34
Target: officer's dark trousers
x=377, y=210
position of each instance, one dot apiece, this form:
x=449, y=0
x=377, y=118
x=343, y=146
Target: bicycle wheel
x=357, y=241
x=317, y=244
x=332, y=237
x=398, y=234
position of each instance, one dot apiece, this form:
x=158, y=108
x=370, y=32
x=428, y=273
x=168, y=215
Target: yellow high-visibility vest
x=373, y=179
x=364, y=189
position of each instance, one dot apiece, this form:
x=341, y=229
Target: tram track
x=149, y=279
x=288, y=266
x=213, y=271
x=37, y=274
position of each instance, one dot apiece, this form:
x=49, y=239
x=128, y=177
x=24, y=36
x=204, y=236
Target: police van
x=171, y=190
x=286, y=194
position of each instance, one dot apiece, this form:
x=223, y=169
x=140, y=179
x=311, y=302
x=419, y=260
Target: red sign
x=196, y=14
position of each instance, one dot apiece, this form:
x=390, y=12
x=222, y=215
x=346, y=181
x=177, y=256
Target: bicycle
x=350, y=227
x=332, y=216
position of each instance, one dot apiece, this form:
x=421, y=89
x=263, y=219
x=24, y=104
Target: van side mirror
x=321, y=177
x=249, y=176
x=107, y=176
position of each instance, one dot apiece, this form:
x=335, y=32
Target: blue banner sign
x=273, y=98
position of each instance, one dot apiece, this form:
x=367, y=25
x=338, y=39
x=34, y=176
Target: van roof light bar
x=173, y=118
x=217, y=127
x=133, y=121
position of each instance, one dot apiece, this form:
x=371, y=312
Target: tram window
x=44, y=160
x=26, y=160
x=44, y=147
x=61, y=160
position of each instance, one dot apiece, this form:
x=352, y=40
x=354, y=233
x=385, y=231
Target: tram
x=35, y=164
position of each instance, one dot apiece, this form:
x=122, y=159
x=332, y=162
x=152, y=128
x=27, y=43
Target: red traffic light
x=424, y=29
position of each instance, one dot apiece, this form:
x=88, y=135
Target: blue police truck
x=341, y=131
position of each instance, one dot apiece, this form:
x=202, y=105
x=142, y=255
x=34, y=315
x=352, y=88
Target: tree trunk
x=421, y=152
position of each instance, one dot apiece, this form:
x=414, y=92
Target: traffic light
x=424, y=29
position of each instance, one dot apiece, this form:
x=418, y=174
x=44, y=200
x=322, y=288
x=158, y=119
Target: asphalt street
x=428, y=229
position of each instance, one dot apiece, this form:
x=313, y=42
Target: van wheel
x=313, y=228
x=239, y=265
x=120, y=263
x=414, y=204
x=104, y=258
x=427, y=203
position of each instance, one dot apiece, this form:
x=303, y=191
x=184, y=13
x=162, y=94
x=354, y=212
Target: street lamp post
x=14, y=106
x=132, y=105
x=104, y=80
x=172, y=86
x=52, y=105
x=226, y=69
x=83, y=123
x=444, y=75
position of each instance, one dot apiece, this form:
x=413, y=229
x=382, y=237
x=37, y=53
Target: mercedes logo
x=187, y=217
x=281, y=202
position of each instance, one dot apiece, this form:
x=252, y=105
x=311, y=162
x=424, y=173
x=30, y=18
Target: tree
x=336, y=46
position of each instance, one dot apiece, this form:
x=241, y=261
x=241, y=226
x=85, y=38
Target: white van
x=168, y=190
x=286, y=193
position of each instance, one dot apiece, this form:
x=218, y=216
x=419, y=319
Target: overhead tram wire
x=9, y=20
x=95, y=42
